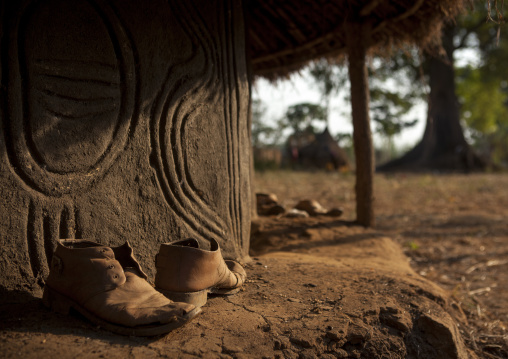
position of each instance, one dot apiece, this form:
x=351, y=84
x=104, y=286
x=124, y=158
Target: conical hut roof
x=323, y=152
x=284, y=35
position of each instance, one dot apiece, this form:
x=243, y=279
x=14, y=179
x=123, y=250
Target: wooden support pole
x=357, y=35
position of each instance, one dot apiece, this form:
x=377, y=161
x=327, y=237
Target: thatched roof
x=283, y=35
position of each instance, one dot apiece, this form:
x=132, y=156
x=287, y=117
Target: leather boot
x=108, y=286
x=188, y=273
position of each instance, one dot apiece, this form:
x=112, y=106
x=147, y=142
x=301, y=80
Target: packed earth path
x=429, y=281
x=453, y=228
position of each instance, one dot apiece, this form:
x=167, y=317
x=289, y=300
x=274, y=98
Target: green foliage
x=391, y=91
x=483, y=89
x=484, y=111
x=262, y=134
x=330, y=80
x=388, y=109
x=405, y=68
x=483, y=100
x=412, y=245
x=302, y=117
x=395, y=88
x=344, y=139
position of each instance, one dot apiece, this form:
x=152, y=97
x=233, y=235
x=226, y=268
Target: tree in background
x=444, y=146
x=392, y=95
x=266, y=139
x=484, y=110
x=388, y=111
x=483, y=89
x=330, y=80
x=262, y=133
x=298, y=120
x=302, y=117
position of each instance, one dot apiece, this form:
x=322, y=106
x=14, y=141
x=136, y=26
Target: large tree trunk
x=443, y=146
x=357, y=42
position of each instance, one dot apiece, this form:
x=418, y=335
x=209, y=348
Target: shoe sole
x=199, y=298
x=62, y=305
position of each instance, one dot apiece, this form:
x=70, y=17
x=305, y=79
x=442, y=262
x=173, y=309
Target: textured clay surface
x=121, y=121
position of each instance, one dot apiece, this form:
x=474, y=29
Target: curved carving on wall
x=178, y=104
x=71, y=93
x=232, y=116
x=44, y=227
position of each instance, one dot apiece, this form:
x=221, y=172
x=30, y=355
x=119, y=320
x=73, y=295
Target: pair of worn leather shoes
x=108, y=286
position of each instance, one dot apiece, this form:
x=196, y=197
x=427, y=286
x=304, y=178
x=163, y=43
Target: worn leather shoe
x=188, y=273
x=108, y=286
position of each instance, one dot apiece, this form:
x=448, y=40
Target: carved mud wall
x=121, y=120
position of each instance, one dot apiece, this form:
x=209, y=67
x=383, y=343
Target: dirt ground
x=429, y=281
x=454, y=229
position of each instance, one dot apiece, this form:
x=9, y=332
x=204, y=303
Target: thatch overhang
x=285, y=35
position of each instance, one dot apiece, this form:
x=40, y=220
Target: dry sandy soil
x=454, y=229
x=429, y=281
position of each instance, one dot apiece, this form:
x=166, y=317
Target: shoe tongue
x=124, y=255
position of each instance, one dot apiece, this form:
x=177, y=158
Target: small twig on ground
x=491, y=263
x=493, y=336
x=473, y=340
x=491, y=355
x=493, y=346
x=479, y=291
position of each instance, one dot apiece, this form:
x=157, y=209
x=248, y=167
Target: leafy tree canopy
x=483, y=100
x=262, y=133
x=483, y=89
x=302, y=117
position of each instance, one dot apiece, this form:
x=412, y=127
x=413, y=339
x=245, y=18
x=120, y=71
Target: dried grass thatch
x=285, y=35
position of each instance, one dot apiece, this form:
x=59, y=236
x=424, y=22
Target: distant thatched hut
x=323, y=153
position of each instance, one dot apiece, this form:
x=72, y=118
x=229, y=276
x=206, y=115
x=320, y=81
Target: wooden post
x=357, y=35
